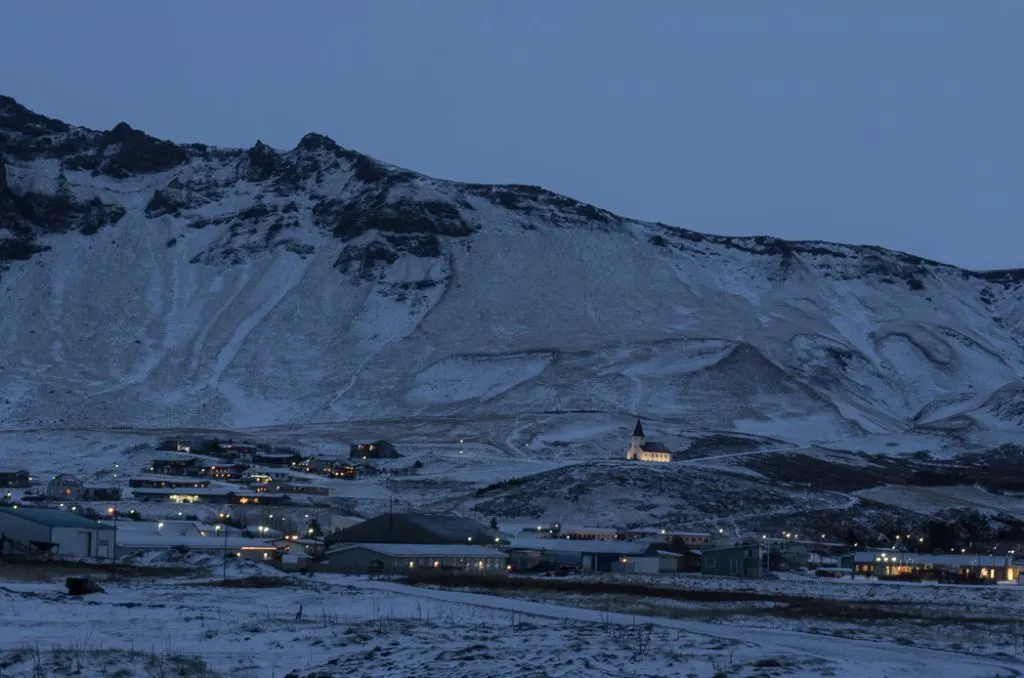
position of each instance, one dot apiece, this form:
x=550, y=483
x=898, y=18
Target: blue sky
x=889, y=123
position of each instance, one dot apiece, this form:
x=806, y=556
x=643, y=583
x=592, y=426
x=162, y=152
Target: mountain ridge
x=148, y=282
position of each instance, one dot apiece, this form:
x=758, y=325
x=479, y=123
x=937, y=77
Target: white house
x=61, y=533
x=641, y=450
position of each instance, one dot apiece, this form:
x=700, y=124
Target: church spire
x=638, y=431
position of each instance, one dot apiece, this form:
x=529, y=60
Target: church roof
x=638, y=431
x=654, y=447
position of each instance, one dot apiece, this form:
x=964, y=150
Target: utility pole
x=225, y=528
x=113, y=550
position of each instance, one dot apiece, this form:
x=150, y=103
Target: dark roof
x=638, y=430
x=53, y=518
x=654, y=447
x=418, y=528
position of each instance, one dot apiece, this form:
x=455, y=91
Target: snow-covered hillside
x=144, y=283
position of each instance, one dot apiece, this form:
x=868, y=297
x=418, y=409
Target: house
x=54, y=531
x=577, y=532
x=65, y=486
x=268, y=458
x=967, y=568
x=417, y=528
x=210, y=495
x=178, y=465
x=296, y=488
x=380, y=449
x=225, y=471
x=97, y=493
x=174, y=482
x=592, y=555
x=745, y=561
x=332, y=468
x=671, y=537
x=376, y=558
x=15, y=479
x=641, y=450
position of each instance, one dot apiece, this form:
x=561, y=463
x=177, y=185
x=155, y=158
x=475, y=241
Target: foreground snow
x=333, y=626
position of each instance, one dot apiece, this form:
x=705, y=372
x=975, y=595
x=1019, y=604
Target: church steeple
x=638, y=431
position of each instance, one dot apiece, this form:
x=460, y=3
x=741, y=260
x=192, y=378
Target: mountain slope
x=147, y=283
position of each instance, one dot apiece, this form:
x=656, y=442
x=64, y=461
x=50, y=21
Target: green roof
x=52, y=518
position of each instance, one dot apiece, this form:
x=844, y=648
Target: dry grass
x=719, y=604
x=254, y=582
x=52, y=570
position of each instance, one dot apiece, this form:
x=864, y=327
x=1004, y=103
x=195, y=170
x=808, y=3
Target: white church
x=641, y=450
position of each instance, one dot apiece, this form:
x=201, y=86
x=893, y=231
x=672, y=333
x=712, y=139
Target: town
x=274, y=505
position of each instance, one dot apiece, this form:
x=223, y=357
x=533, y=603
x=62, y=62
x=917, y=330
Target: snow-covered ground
x=348, y=626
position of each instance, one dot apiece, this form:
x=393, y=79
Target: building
x=15, y=479
x=641, y=450
x=672, y=537
x=65, y=486
x=967, y=568
x=591, y=555
x=210, y=495
x=332, y=468
x=135, y=543
x=225, y=471
x=339, y=523
x=417, y=528
x=408, y=558
x=270, y=458
x=656, y=562
x=179, y=465
x=380, y=449
x=98, y=493
x=175, y=482
x=745, y=561
x=57, y=532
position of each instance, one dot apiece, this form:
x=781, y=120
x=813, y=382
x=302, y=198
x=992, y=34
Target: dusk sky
x=888, y=123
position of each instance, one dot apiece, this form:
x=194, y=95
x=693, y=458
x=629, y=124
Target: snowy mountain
x=144, y=283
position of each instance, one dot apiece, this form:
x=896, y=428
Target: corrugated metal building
x=58, y=532
x=406, y=558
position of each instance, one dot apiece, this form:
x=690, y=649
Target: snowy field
x=347, y=626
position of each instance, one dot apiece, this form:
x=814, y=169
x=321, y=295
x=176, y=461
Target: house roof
x=654, y=447
x=582, y=545
x=52, y=518
x=731, y=547
x=426, y=550
x=638, y=430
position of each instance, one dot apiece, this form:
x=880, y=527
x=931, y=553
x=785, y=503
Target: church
x=641, y=450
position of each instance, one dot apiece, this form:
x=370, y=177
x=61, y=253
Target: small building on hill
x=640, y=449
x=65, y=486
x=15, y=479
x=380, y=449
x=417, y=528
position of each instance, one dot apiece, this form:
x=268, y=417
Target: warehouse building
x=61, y=533
x=381, y=558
